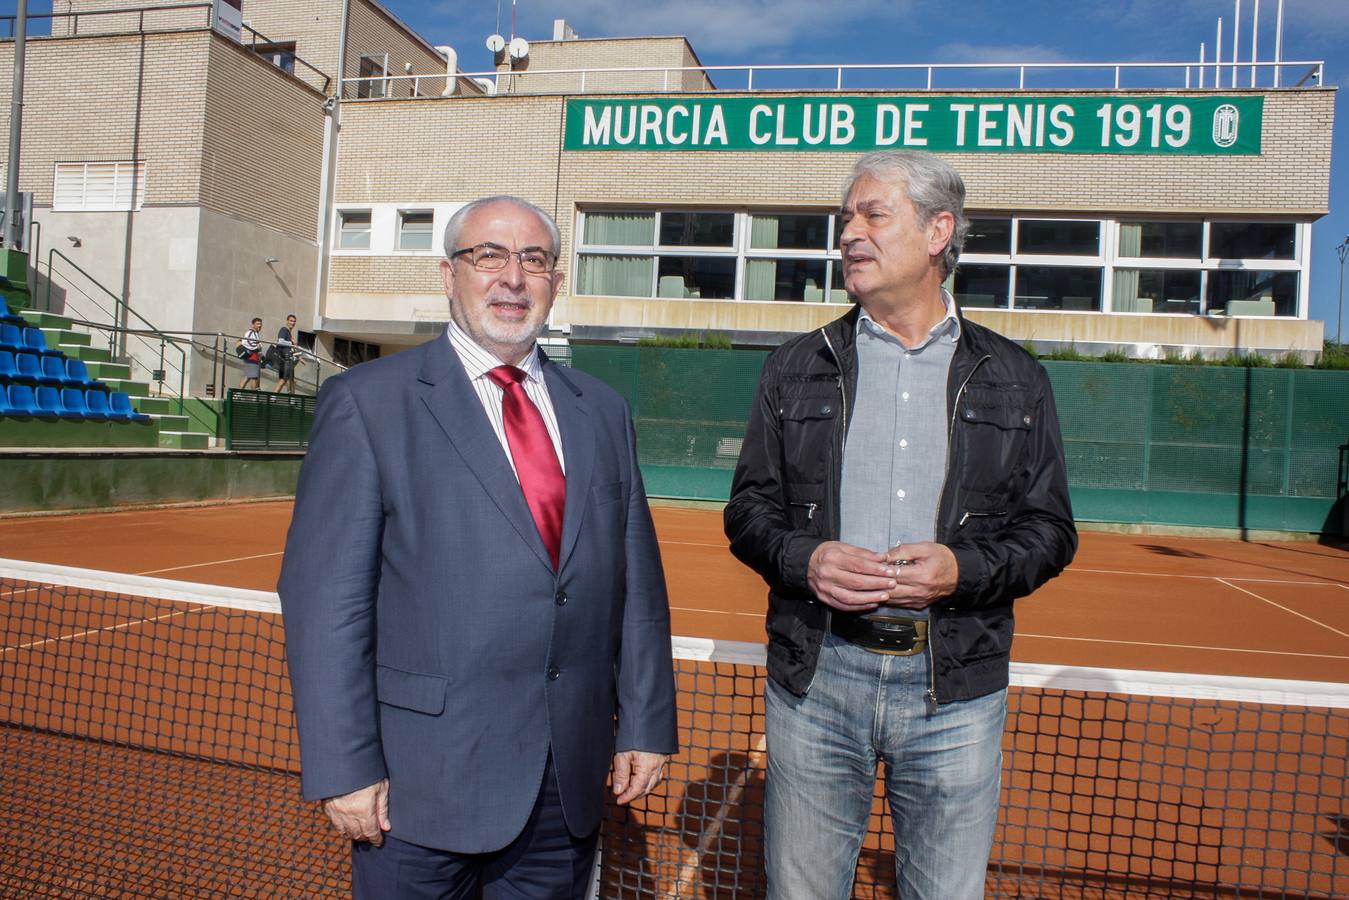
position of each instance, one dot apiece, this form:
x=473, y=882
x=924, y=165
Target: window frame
x=430, y=231
x=137, y=173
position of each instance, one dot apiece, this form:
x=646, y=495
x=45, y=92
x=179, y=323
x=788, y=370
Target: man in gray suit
x=476, y=620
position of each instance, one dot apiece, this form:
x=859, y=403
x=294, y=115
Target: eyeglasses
x=493, y=258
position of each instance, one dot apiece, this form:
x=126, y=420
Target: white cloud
x=722, y=26
x=998, y=53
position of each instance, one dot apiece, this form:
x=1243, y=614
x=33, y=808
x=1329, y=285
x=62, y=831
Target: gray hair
x=933, y=186
x=456, y=223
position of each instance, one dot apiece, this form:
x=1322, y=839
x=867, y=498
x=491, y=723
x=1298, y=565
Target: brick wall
x=606, y=53
x=105, y=98
x=372, y=32
x=262, y=144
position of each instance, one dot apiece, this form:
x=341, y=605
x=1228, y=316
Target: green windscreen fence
x=1182, y=445
x=262, y=420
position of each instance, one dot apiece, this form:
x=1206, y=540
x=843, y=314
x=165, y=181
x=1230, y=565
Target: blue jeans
x=942, y=773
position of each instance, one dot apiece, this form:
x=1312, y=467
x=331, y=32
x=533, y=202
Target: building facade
x=310, y=166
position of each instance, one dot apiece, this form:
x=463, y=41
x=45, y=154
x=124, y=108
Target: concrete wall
x=55, y=480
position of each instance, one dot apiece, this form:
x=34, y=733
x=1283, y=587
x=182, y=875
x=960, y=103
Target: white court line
x=1073, y=569
x=214, y=562
x=693, y=859
x=1285, y=608
x=79, y=634
x=1056, y=637
x=723, y=612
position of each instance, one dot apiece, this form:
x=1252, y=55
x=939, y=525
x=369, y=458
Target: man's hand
x=850, y=578
x=361, y=815
x=635, y=773
x=930, y=573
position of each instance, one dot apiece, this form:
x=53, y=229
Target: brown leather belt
x=881, y=634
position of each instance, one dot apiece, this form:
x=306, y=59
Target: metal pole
x=1255, y=39
x=1278, y=42
x=1342, y=250
x=1236, y=39
x=13, y=234
x=1218, y=57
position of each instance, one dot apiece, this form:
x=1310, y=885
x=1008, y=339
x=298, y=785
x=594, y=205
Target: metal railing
x=74, y=17
x=1193, y=75
x=223, y=357
x=120, y=328
x=256, y=36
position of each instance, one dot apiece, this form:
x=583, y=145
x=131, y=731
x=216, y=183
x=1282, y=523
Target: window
x=989, y=236
x=350, y=353
x=697, y=229
x=354, y=229
x=1251, y=240
x=981, y=286
x=1157, y=291
x=373, y=67
x=709, y=255
x=414, y=229
x=1069, y=288
x=98, y=186
x=280, y=55
x=1252, y=293
x=1161, y=240
x=1069, y=237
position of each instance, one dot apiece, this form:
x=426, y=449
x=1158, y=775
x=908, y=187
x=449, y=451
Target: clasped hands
x=363, y=815
x=853, y=579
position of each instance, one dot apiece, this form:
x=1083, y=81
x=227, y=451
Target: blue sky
x=767, y=32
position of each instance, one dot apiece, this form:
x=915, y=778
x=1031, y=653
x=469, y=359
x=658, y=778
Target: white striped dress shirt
x=478, y=362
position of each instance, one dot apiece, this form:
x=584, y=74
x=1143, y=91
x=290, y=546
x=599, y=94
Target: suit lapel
x=454, y=404
x=578, y=448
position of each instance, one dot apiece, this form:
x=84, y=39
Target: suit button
x=553, y=674
x=560, y=598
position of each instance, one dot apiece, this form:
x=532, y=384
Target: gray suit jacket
x=429, y=638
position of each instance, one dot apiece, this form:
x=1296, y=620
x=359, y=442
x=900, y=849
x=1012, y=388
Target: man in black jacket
x=901, y=483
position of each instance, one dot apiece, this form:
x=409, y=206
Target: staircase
x=176, y=431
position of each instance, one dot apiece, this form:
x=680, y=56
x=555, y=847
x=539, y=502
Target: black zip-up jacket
x=1004, y=509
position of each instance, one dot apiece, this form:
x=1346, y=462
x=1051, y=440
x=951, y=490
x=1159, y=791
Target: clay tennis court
x=1276, y=609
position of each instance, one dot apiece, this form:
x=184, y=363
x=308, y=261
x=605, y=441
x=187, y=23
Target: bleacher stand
x=39, y=381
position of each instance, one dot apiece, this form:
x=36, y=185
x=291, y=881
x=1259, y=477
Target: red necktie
x=536, y=464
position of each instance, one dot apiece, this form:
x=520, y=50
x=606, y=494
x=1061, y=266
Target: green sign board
x=1103, y=124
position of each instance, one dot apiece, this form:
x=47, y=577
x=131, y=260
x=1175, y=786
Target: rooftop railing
x=884, y=76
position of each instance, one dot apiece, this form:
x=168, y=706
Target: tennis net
x=147, y=749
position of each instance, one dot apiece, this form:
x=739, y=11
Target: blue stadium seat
x=120, y=405
x=35, y=341
x=21, y=400
x=72, y=403
x=11, y=338
x=55, y=368
x=7, y=316
x=8, y=372
x=29, y=366
x=78, y=373
x=49, y=403
x=97, y=403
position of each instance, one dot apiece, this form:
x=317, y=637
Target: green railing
x=1210, y=446
x=262, y=420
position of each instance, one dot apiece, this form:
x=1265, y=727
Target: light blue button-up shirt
x=894, y=460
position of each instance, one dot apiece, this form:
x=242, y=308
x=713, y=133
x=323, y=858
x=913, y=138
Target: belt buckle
x=893, y=634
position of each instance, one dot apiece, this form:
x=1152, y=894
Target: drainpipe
x=13, y=232
x=332, y=126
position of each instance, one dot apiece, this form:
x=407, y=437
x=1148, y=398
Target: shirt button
x=553, y=674
x=904, y=396
x=900, y=494
x=903, y=443
x=560, y=598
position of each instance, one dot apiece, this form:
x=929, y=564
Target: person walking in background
x=476, y=619
x=286, y=356
x=251, y=346
x=901, y=482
